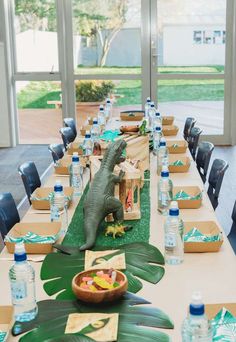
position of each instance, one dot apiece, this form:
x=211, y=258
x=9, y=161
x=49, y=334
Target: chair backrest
x=56, y=151
x=232, y=233
x=30, y=177
x=215, y=180
x=203, y=157
x=70, y=122
x=9, y=215
x=189, y=123
x=67, y=136
x=193, y=140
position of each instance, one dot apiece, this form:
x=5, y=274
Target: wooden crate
x=128, y=188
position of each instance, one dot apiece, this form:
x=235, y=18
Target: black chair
x=203, y=157
x=67, y=136
x=215, y=180
x=232, y=234
x=9, y=215
x=70, y=122
x=189, y=123
x=193, y=140
x=56, y=152
x=30, y=177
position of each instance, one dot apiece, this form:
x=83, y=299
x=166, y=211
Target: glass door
x=188, y=47
x=107, y=44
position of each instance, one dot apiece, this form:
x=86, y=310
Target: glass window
x=204, y=99
x=107, y=36
x=189, y=36
x=39, y=112
x=36, y=35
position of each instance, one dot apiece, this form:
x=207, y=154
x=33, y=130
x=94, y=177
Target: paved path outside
x=41, y=126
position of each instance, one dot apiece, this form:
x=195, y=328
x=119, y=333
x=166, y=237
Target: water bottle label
x=18, y=290
x=164, y=199
x=170, y=241
x=55, y=215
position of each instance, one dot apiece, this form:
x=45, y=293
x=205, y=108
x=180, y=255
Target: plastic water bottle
x=157, y=121
x=22, y=279
x=75, y=175
x=162, y=155
x=108, y=109
x=57, y=202
x=87, y=144
x=147, y=106
x=95, y=131
x=101, y=116
x=165, y=191
x=151, y=114
x=174, y=228
x=157, y=135
x=196, y=327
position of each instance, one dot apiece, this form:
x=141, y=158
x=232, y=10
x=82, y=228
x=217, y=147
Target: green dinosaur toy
x=100, y=200
x=142, y=128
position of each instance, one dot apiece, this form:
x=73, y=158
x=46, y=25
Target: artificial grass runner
x=140, y=232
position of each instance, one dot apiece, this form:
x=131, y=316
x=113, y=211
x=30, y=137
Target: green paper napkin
x=110, y=135
x=224, y=326
x=182, y=195
x=177, y=163
x=32, y=238
x=2, y=336
x=194, y=235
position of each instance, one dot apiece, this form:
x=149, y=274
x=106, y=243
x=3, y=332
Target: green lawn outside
x=36, y=94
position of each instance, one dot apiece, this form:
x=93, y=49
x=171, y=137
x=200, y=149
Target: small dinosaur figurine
x=118, y=229
x=100, y=200
x=142, y=128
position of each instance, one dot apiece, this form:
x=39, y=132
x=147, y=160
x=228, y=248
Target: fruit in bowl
x=96, y=286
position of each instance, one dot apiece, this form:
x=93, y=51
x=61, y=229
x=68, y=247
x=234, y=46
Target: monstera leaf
x=134, y=320
x=142, y=262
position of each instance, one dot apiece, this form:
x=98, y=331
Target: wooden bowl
x=126, y=129
x=99, y=296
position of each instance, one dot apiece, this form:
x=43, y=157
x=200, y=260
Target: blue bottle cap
x=95, y=121
x=108, y=101
x=87, y=135
x=158, y=114
x=20, y=254
x=174, y=209
x=75, y=157
x=196, y=308
x=158, y=128
x=58, y=187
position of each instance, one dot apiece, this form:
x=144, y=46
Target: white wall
x=179, y=48
x=5, y=123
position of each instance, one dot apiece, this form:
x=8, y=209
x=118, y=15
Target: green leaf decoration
x=142, y=261
x=135, y=316
x=90, y=328
x=106, y=257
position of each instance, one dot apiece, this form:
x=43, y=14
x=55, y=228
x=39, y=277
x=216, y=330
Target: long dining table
x=214, y=274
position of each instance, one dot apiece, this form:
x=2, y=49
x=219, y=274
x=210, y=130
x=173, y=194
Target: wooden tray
x=44, y=192
x=179, y=168
x=167, y=120
x=40, y=228
x=6, y=318
x=188, y=204
x=205, y=227
x=171, y=130
x=132, y=115
x=181, y=148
